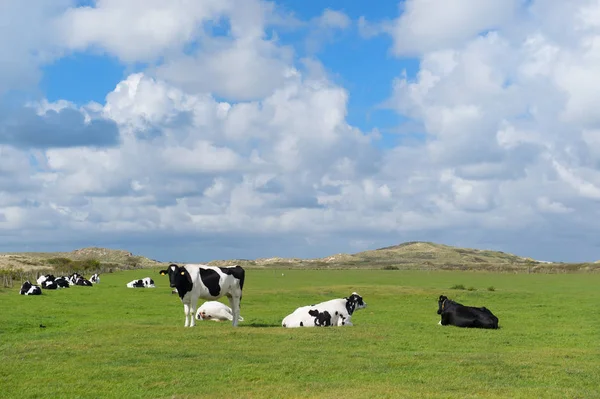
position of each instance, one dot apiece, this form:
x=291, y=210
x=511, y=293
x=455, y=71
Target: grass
x=110, y=341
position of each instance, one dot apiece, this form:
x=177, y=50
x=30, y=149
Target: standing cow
x=194, y=281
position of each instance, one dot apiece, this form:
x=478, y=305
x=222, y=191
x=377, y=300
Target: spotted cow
x=335, y=312
x=194, y=281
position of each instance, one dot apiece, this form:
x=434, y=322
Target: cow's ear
x=163, y=272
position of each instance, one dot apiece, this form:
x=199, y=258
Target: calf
x=456, y=314
x=194, y=281
x=29, y=289
x=217, y=311
x=335, y=312
x=95, y=279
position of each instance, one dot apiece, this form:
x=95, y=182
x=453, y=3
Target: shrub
x=458, y=287
x=472, y=289
x=391, y=267
x=491, y=288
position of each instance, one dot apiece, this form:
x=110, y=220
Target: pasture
x=109, y=341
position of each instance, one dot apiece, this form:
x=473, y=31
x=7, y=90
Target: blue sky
x=244, y=129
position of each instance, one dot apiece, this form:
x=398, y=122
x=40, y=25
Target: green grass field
x=109, y=341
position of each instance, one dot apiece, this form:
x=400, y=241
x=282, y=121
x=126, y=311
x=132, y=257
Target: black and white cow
x=49, y=285
x=45, y=277
x=195, y=281
x=95, y=279
x=148, y=282
x=136, y=284
x=335, y=312
x=83, y=282
x=29, y=289
x=456, y=314
x=62, y=282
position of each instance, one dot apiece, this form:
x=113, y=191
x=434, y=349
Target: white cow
x=217, y=311
x=335, y=312
x=195, y=281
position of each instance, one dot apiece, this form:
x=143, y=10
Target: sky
x=194, y=130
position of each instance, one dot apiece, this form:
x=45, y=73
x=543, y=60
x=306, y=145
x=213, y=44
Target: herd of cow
x=194, y=281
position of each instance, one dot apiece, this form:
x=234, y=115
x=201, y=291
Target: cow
x=456, y=314
x=49, y=285
x=136, y=284
x=217, y=311
x=95, y=279
x=80, y=280
x=194, y=281
x=148, y=282
x=45, y=277
x=29, y=289
x=332, y=313
x=62, y=282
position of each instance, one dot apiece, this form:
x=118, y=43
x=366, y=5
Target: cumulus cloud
x=223, y=144
x=509, y=127
x=28, y=40
x=63, y=127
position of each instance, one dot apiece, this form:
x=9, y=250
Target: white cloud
x=508, y=115
x=27, y=40
x=427, y=25
x=225, y=144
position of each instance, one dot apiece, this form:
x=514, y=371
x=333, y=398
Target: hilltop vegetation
x=406, y=256
x=419, y=255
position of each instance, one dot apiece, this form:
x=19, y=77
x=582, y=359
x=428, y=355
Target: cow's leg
x=186, y=310
x=234, y=304
x=193, y=306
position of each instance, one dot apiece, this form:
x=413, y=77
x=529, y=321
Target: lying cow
x=217, y=311
x=335, y=312
x=456, y=314
x=45, y=277
x=194, y=281
x=29, y=289
x=95, y=279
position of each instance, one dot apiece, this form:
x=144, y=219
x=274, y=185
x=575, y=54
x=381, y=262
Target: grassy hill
x=106, y=257
x=409, y=255
x=419, y=255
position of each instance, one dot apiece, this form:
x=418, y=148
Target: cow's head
x=178, y=276
x=442, y=303
x=354, y=302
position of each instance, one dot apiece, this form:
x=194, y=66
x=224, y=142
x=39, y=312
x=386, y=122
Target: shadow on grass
x=259, y=325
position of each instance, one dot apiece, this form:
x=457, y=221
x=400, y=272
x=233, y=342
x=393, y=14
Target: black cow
x=456, y=314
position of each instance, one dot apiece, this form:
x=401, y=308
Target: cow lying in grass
x=29, y=289
x=217, y=311
x=456, y=314
x=335, y=312
x=145, y=282
x=194, y=281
